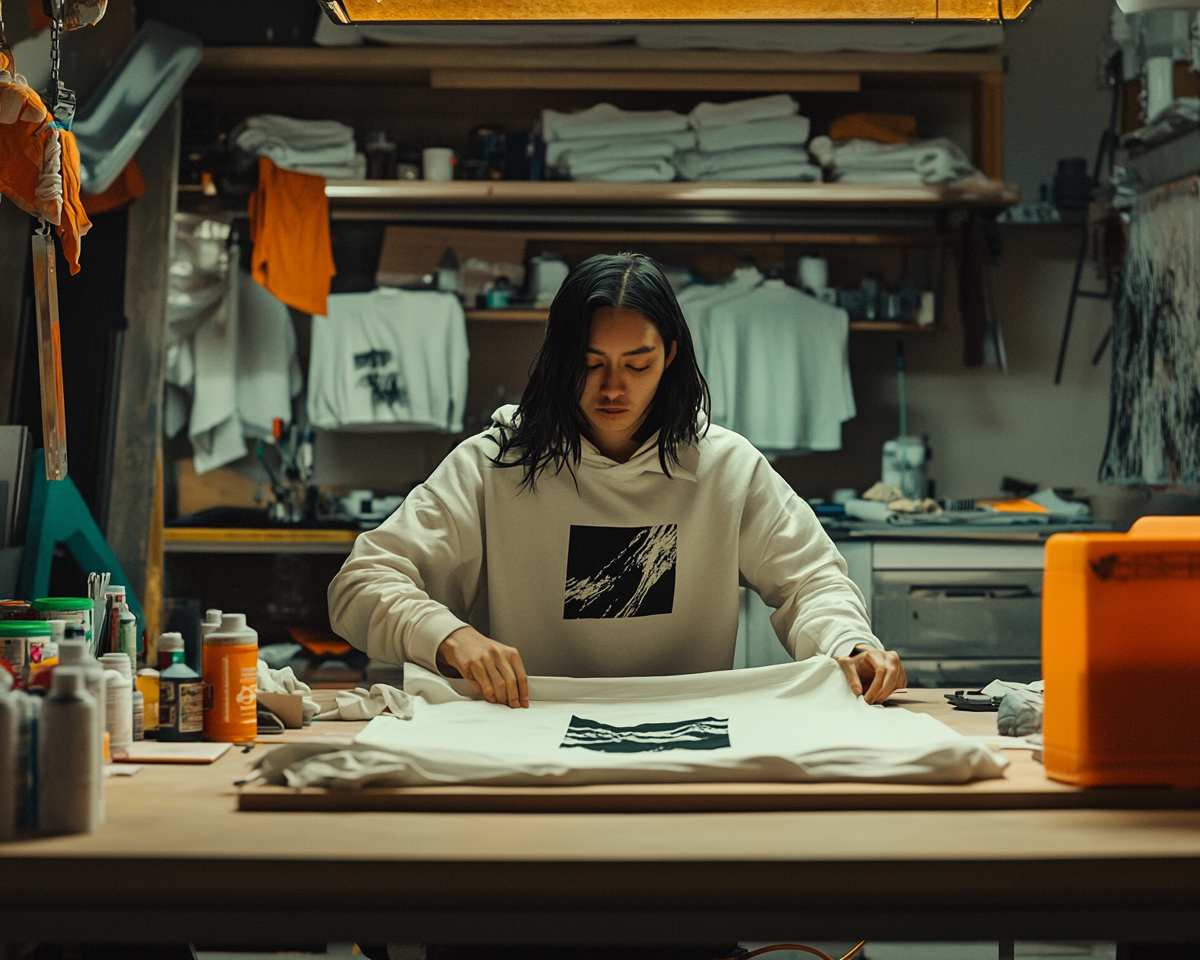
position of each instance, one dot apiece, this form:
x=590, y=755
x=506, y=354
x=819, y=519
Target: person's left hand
x=879, y=671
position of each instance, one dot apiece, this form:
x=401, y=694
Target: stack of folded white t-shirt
x=323, y=148
x=869, y=161
x=620, y=146
x=758, y=139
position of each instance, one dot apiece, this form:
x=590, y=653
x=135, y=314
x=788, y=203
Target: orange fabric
x=29, y=142
x=884, y=127
x=128, y=186
x=289, y=227
x=75, y=222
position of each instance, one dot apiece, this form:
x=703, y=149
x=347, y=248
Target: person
x=602, y=527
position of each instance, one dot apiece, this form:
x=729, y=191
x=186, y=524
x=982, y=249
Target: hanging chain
x=62, y=99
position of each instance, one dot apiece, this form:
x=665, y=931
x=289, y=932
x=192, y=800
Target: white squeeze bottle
x=67, y=767
x=8, y=759
x=73, y=653
x=118, y=713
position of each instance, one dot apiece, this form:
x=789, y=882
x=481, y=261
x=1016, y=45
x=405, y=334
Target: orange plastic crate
x=1121, y=655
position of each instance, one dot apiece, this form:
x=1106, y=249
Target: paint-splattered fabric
x=795, y=722
x=607, y=570
x=1154, y=421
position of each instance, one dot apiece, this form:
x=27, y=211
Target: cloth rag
x=289, y=226
x=775, y=132
x=883, y=127
x=710, y=116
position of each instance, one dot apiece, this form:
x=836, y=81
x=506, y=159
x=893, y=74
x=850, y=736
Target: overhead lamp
x=407, y=11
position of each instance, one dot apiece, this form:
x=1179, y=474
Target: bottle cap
x=115, y=590
x=119, y=662
x=170, y=641
x=232, y=632
x=66, y=682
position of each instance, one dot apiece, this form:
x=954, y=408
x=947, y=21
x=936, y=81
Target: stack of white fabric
x=323, y=148
x=619, y=146
x=868, y=161
x=758, y=139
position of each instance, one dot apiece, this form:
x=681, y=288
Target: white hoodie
x=630, y=573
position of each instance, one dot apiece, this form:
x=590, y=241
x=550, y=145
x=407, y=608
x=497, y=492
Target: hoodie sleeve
x=788, y=558
x=414, y=580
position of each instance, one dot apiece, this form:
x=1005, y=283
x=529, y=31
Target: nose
x=612, y=384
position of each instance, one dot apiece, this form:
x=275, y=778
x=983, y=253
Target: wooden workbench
x=176, y=861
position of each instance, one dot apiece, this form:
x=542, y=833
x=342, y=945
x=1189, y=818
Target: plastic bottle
x=73, y=653
x=118, y=714
x=180, y=702
x=147, y=683
x=127, y=632
x=67, y=764
x=138, y=702
x=9, y=722
x=168, y=643
x=212, y=621
x=231, y=681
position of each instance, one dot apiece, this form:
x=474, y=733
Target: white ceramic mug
x=437, y=163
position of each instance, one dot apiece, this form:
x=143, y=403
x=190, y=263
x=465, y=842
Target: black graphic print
x=387, y=389
x=620, y=572
x=708, y=733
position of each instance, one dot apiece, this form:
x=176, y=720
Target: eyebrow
x=627, y=353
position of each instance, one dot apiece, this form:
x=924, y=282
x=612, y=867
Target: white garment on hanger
x=718, y=365
x=791, y=390
x=244, y=373
x=796, y=722
x=390, y=359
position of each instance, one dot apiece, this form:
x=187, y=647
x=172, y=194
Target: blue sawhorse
x=57, y=514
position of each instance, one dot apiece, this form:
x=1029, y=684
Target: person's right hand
x=495, y=671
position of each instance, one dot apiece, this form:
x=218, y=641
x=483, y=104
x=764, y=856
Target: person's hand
x=495, y=671
x=878, y=671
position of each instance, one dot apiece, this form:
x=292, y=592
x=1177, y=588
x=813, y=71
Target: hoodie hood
x=645, y=460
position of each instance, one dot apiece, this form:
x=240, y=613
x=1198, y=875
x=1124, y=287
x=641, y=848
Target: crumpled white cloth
x=360, y=704
x=285, y=681
x=290, y=143
x=1020, y=713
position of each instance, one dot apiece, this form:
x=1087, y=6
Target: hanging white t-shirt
x=389, y=359
x=717, y=361
x=797, y=723
x=792, y=389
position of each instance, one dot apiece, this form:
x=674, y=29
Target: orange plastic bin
x=1121, y=655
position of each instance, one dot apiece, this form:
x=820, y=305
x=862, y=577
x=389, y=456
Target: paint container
x=148, y=683
x=75, y=610
x=231, y=681
x=118, y=714
x=127, y=633
x=168, y=643
x=9, y=724
x=67, y=764
x=180, y=702
x=74, y=653
x=16, y=610
x=23, y=644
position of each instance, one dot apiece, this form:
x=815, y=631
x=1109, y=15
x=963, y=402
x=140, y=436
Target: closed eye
x=639, y=369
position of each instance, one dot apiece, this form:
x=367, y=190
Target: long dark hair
x=546, y=432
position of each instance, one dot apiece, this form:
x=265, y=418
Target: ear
x=671, y=354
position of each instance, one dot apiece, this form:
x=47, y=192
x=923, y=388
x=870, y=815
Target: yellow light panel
x=403, y=11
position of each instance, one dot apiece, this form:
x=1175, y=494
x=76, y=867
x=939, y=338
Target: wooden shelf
x=991, y=193
x=539, y=316
x=577, y=67
x=267, y=540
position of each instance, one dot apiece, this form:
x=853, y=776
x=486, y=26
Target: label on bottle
x=181, y=705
